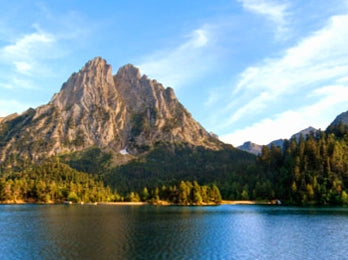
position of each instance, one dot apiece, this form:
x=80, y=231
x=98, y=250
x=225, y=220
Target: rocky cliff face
x=125, y=112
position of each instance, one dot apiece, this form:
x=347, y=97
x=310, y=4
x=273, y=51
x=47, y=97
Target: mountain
x=124, y=114
x=256, y=148
x=341, y=118
x=304, y=133
x=251, y=148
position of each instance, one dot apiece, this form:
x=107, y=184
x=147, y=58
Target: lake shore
x=123, y=203
x=245, y=202
x=166, y=203
x=158, y=203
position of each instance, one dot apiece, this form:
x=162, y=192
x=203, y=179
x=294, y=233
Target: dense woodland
x=167, y=163
x=312, y=169
x=186, y=193
x=55, y=182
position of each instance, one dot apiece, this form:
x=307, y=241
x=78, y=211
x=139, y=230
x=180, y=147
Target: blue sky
x=254, y=70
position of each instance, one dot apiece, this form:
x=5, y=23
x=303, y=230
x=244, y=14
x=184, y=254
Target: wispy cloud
x=321, y=57
x=318, y=64
x=28, y=45
x=213, y=97
x=182, y=64
x=272, y=10
x=26, y=52
x=8, y=106
x=285, y=124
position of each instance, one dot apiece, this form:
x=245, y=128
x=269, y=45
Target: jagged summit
x=94, y=108
x=129, y=71
x=341, y=118
x=93, y=84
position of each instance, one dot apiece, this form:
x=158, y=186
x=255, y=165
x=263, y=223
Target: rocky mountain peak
x=92, y=85
x=129, y=72
x=125, y=112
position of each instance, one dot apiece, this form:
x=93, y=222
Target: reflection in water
x=146, y=232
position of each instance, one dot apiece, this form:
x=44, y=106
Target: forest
x=56, y=182
x=53, y=182
x=186, y=193
x=309, y=170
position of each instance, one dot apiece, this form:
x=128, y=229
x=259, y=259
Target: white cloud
x=320, y=114
x=8, y=106
x=19, y=83
x=314, y=61
x=23, y=67
x=274, y=11
x=6, y=86
x=28, y=46
x=266, y=130
x=184, y=63
x=27, y=51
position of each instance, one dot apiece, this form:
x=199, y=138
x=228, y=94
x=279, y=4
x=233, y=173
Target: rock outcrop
x=125, y=112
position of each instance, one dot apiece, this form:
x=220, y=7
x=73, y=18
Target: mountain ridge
x=257, y=148
x=341, y=118
x=123, y=112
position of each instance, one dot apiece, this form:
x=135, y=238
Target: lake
x=149, y=232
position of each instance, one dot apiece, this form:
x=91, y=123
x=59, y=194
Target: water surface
x=147, y=232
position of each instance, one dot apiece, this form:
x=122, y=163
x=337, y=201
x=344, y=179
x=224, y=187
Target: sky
x=247, y=70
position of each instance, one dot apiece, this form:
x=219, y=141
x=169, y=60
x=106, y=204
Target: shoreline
x=245, y=202
x=159, y=203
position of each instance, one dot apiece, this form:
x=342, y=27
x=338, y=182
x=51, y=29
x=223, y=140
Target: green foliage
x=307, y=170
x=140, y=124
x=12, y=128
x=92, y=160
x=53, y=181
x=312, y=170
x=166, y=163
x=72, y=196
x=186, y=193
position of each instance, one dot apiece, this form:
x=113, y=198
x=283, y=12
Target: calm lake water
x=147, y=232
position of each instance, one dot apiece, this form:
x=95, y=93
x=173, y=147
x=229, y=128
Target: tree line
x=56, y=182
x=311, y=169
x=53, y=182
x=186, y=193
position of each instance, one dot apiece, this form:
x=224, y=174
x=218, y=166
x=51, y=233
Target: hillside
x=125, y=114
x=125, y=127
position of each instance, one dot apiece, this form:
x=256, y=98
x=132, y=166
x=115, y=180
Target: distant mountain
x=341, y=118
x=251, y=148
x=304, y=133
x=278, y=142
x=125, y=114
x=256, y=148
